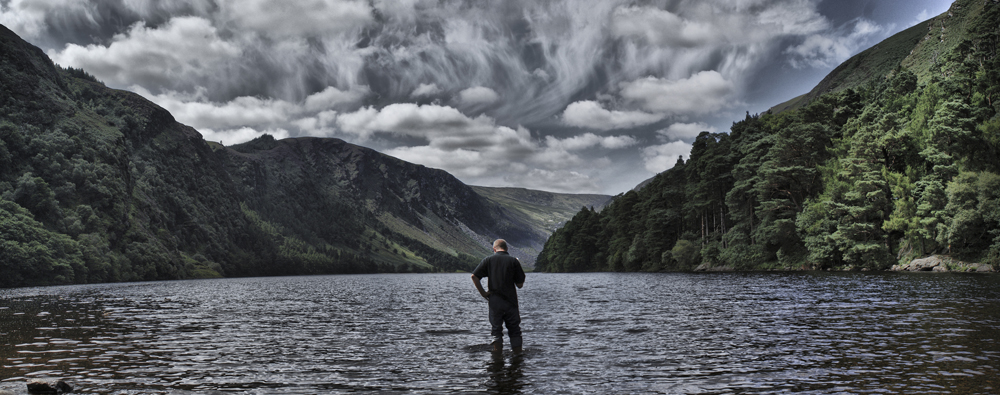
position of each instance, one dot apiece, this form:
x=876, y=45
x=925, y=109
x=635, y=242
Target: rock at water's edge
x=936, y=263
x=43, y=387
x=707, y=267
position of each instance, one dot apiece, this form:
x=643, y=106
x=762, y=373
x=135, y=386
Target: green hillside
x=869, y=66
x=921, y=49
x=879, y=168
x=98, y=185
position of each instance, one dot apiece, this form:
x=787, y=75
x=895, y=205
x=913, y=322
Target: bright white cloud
x=685, y=131
x=663, y=28
x=186, y=48
x=28, y=18
x=429, y=121
x=702, y=93
x=659, y=158
x=590, y=114
x=331, y=97
x=590, y=140
x=195, y=111
x=424, y=90
x=478, y=95
x=323, y=124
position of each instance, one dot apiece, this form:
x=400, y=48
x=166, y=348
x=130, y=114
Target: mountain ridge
x=99, y=185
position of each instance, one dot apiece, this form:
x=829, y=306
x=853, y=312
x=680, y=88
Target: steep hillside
x=920, y=49
x=98, y=184
x=871, y=65
x=895, y=158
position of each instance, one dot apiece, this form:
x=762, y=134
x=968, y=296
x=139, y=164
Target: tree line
x=858, y=179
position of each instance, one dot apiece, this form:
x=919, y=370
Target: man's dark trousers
x=503, y=312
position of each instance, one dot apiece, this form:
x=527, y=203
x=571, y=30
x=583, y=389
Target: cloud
x=662, y=28
x=300, y=18
x=827, y=50
x=424, y=90
x=549, y=79
x=195, y=111
x=590, y=140
x=659, y=158
x=244, y=117
x=923, y=16
x=702, y=93
x=186, y=48
x=30, y=18
x=480, y=149
x=685, y=131
x=478, y=95
x=590, y=114
x=428, y=121
x=331, y=97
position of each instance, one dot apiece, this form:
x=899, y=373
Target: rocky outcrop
x=938, y=263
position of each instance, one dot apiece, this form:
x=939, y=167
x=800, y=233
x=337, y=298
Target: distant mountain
x=541, y=210
x=98, y=184
x=894, y=156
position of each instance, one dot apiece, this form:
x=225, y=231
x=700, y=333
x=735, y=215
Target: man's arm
x=479, y=286
x=519, y=275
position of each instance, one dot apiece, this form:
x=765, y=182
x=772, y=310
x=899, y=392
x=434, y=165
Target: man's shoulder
x=505, y=257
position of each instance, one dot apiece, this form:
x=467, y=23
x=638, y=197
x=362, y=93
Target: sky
x=573, y=96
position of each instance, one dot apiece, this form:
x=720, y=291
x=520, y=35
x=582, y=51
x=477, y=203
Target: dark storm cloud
x=566, y=95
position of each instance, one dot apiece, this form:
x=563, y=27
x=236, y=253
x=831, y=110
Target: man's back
x=503, y=272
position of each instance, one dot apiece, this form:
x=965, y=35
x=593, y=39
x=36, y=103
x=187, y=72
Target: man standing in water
x=503, y=272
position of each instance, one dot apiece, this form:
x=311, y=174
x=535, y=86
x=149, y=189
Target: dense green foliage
x=99, y=185
x=860, y=178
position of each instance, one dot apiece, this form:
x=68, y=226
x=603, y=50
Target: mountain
x=918, y=49
x=98, y=184
x=894, y=156
x=541, y=210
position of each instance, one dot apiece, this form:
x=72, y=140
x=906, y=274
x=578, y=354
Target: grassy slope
x=944, y=33
x=918, y=49
x=876, y=62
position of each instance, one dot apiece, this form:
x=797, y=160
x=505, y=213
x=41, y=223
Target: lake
x=598, y=333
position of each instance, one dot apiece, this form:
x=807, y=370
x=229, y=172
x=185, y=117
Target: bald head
x=500, y=245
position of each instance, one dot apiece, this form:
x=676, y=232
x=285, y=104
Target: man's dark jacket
x=503, y=272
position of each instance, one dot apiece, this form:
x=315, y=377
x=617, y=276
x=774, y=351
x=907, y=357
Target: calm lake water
x=584, y=333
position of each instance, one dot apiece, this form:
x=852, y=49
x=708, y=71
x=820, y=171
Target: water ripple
x=584, y=333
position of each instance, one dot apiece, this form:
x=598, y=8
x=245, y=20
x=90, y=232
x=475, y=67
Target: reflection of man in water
x=503, y=272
